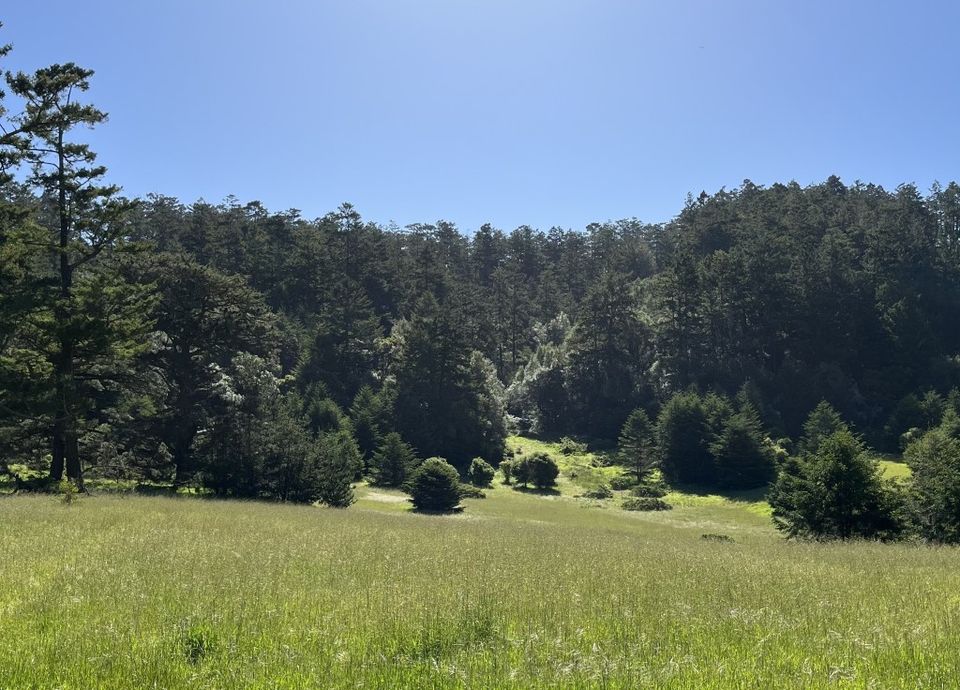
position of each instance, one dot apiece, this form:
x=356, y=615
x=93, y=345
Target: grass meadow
x=519, y=591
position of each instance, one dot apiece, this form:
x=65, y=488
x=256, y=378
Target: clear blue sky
x=545, y=112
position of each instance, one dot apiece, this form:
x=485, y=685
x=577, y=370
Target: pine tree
x=636, y=447
x=743, y=458
x=393, y=461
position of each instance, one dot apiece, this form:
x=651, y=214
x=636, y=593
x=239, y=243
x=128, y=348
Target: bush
x=538, y=469
x=646, y=504
x=622, y=482
x=648, y=490
x=471, y=491
x=600, y=492
x=507, y=467
x=568, y=446
x=481, y=472
x=435, y=486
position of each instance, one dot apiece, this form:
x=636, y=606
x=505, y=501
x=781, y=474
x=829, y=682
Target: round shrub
x=646, y=504
x=624, y=481
x=538, y=469
x=481, y=472
x=600, y=492
x=435, y=486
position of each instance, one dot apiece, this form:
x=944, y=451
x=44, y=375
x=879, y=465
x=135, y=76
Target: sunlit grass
x=518, y=591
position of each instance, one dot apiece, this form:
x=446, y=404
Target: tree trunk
x=66, y=449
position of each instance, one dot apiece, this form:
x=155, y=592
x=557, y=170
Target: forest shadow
x=534, y=490
x=737, y=495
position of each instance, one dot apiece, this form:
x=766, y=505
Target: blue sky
x=558, y=112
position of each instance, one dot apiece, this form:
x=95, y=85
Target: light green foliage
x=178, y=593
x=481, y=472
x=538, y=469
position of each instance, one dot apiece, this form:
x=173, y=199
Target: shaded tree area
x=260, y=353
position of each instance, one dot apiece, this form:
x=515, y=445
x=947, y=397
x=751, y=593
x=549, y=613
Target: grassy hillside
x=521, y=590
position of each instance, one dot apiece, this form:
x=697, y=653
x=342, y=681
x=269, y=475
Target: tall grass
x=520, y=591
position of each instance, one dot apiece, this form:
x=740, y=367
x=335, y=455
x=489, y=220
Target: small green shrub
x=435, y=486
x=719, y=538
x=600, y=492
x=507, y=468
x=197, y=642
x=471, y=491
x=646, y=504
x=68, y=491
x=481, y=472
x=649, y=490
x=568, y=446
x=623, y=482
x=538, y=469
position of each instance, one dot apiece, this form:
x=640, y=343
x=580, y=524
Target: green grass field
x=519, y=591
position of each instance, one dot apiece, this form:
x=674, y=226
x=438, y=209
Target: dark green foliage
x=935, y=486
x=645, y=503
x=622, y=482
x=823, y=422
x=370, y=414
x=649, y=490
x=127, y=328
x=569, y=446
x=481, y=472
x=835, y=493
x=338, y=463
x=538, y=469
x=683, y=437
x=471, y=491
x=448, y=398
x=435, y=486
x=743, y=457
x=393, y=461
x=636, y=448
x=507, y=467
x=600, y=492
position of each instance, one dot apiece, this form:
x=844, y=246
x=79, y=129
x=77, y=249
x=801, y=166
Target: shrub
x=568, y=446
x=622, y=482
x=471, y=491
x=600, y=492
x=481, y=472
x=435, y=486
x=538, y=469
x=720, y=538
x=649, y=490
x=507, y=467
x=646, y=504
x=68, y=491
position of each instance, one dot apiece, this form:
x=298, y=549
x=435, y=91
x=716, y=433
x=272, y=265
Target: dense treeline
x=259, y=353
